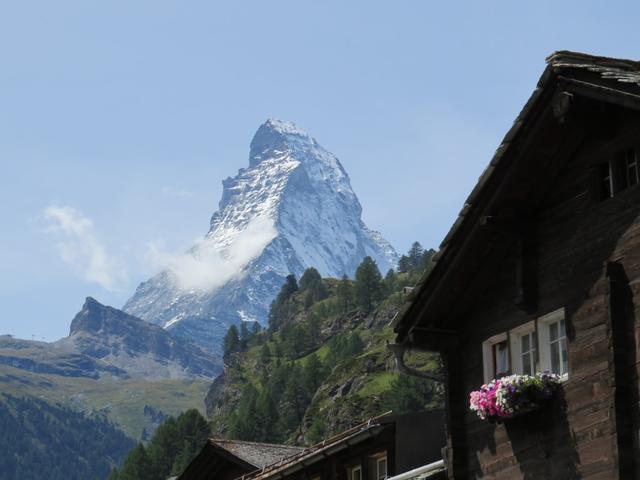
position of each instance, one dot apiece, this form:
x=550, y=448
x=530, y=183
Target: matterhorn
x=292, y=208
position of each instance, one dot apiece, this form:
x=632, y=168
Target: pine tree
x=312, y=374
x=344, y=294
x=295, y=400
x=244, y=336
x=266, y=418
x=409, y=394
x=163, y=447
x=231, y=343
x=280, y=307
x=389, y=282
x=404, y=264
x=368, y=286
x=309, y=278
x=415, y=256
x=265, y=354
x=241, y=423
x=137, y=466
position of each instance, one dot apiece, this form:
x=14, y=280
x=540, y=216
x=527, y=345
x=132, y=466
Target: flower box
x=514, y=395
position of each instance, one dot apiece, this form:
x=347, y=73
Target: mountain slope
x=107, y=342
x=292, y=208
x=42, y=440
x=132, y=371
x=324, y=369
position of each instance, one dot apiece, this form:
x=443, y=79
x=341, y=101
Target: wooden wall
x=585, y=249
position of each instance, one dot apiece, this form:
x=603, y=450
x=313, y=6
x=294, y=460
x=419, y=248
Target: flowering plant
x=509, y=396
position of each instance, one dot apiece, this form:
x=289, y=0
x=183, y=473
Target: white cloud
x=207, y=265
x=172, y=192
x=80, y=249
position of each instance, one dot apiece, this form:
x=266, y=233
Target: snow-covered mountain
x=292, y=208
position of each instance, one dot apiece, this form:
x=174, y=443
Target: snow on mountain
x=292, y=208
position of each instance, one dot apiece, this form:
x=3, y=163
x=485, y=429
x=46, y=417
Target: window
x=631, y=167
x=355, y=473
x=381, y=468
x=537, y=346
x=524, y=348
x=496, y=357
x=606, y=183
x=619, y=173
x=553, y=343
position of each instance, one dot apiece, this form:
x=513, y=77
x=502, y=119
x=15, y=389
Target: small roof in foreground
x=257, y=454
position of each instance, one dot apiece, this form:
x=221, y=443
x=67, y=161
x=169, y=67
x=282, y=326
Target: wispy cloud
x=172, y=192
x=80, y=249
x=208, y=265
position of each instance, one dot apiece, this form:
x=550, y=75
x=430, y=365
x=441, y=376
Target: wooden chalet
x=373, y=450
x=223, y=459
x=541, y=272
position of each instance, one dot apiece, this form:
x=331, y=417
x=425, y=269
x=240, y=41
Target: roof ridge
x=246, y=442
x=564, y=57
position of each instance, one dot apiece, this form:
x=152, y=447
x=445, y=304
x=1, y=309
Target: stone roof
x=257, y=454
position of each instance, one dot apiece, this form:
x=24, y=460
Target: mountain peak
x=94, y=316
x=285, y=128
x=291, y=209
x=276, y=136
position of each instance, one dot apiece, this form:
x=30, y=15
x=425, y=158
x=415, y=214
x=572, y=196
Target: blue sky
x=122, y=118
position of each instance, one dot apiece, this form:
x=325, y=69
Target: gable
x=579, y=100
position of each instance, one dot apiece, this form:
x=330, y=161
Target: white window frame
x=352, y=470
x=543, y=340
x=379, y=460
x=487, y=355
x=515, y=347
x=542, y=357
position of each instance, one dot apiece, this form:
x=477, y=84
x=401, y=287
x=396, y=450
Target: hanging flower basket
x=514, y=395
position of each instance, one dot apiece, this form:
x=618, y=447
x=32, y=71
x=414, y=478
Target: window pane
x=553, y=331
x=501, y=356
x=382, y=468
x=632, y=167
x=524, y=343
x=565, y=363
x=526, y=364
x=555, y=358
x=605, y=181
x=563, y=329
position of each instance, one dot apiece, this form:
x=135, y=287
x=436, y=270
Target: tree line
x=171, y=448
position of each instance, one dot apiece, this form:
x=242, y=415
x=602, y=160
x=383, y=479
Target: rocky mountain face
x=292, y=208
x=107, y=342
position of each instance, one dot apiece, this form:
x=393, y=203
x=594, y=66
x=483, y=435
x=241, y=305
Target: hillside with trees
x=322, y=363
x=171, y=448
x=319, y=367
x=44, y=440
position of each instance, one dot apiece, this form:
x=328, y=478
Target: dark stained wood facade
x=537, y=235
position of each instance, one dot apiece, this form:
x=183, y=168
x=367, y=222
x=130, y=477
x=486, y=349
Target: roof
x=579, y=73
x=235, y=457
x=308, y=456
x=257, y=454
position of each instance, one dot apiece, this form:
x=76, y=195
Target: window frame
x=516, y=346
x=544, y=339
x=542, y=361
x=487, y=355
x=353, y=469
x=620, y=172
x=386, y=467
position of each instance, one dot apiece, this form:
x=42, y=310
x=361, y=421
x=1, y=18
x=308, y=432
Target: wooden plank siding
x=577, y=235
